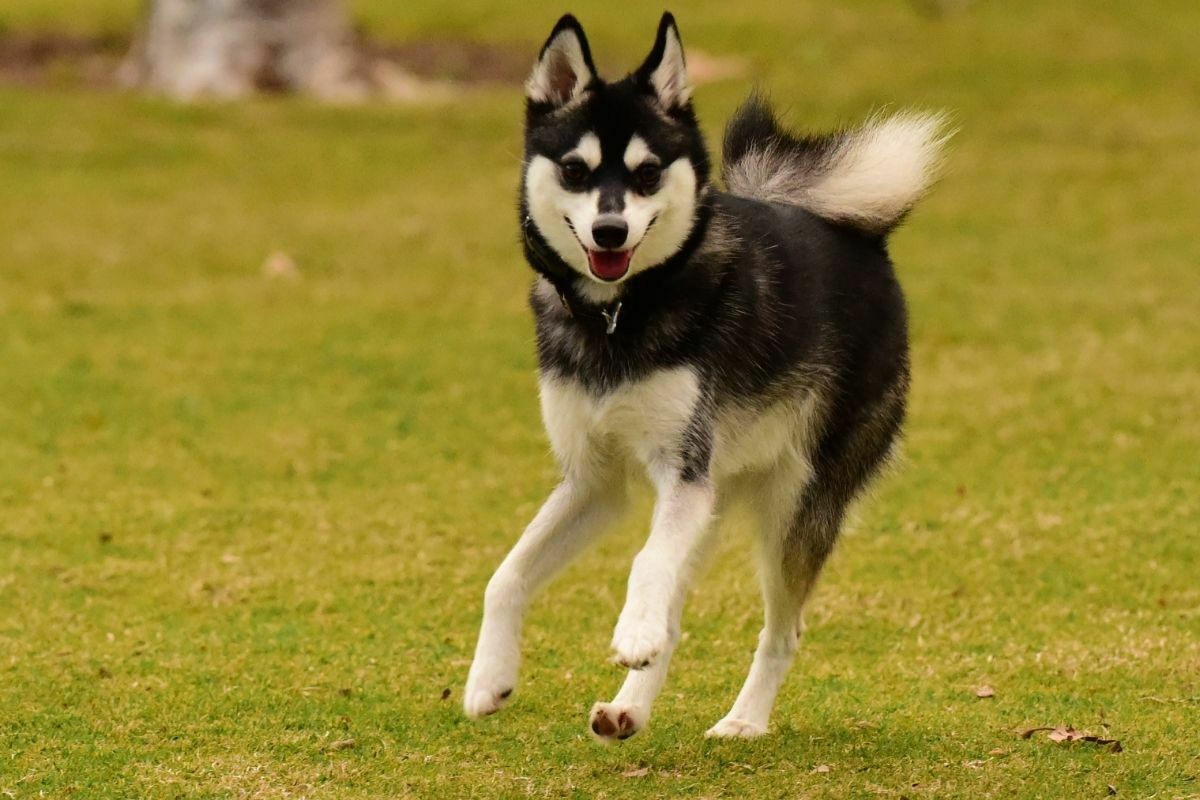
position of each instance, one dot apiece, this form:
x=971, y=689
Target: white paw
x=636, y=643
x=610, y=721
x=730, y=728
x=489, y=685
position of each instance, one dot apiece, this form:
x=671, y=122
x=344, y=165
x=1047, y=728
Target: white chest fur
x=648, y=420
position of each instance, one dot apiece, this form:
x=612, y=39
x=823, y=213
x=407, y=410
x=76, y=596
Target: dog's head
x=613, y=171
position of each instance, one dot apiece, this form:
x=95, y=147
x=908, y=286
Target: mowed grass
x=245, y=522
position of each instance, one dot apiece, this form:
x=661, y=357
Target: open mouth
x=609, y=265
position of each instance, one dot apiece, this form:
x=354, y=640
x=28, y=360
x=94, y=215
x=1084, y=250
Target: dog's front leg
x=662, y=571
x=573, y=515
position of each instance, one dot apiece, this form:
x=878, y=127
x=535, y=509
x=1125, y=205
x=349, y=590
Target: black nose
x=609, y=230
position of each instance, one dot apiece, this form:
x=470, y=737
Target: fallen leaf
x=340, y=744
x=640, y=772
x=996, y=751
x=1029, y=732
x=446, y=693
x=975, y=763
x=985, y=691
x=1111, y=790
x=821, y=768
x=1066, y=733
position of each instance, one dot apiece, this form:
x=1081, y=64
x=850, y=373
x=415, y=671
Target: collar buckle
x=611, y=317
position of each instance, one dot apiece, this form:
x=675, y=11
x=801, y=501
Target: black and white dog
x=748, y=343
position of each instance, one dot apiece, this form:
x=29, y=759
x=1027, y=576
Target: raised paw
x=637, y=645
x=616, y=721
x=730, y=728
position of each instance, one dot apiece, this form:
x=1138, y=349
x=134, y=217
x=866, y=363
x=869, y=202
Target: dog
x=745, y=344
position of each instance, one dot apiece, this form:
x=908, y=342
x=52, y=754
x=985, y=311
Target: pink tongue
x=609, y=265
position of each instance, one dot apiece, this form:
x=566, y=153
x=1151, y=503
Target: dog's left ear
x=664, y=71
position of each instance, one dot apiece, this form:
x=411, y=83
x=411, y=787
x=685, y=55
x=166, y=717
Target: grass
x=242, y=520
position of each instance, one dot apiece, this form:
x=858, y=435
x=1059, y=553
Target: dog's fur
x=751, y=343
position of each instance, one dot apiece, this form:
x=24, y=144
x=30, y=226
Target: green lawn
x=242, y=520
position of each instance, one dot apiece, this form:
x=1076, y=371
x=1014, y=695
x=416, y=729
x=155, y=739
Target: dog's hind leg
x=801, y=518
x=795, y=544
x=576, y=512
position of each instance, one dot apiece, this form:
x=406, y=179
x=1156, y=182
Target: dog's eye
x=648, y=175
x=574, y=173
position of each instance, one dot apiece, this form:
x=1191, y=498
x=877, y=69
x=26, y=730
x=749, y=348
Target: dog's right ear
x=564, y=68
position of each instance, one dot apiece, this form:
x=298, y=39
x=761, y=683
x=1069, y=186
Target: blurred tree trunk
x=232, y=48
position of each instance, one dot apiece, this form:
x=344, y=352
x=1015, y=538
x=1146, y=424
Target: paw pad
x=609, y=722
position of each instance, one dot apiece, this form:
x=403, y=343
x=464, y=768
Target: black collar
x=563, y=278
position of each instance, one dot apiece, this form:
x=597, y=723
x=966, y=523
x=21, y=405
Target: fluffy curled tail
x=868, y=177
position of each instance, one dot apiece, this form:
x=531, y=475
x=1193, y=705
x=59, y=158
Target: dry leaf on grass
x=446, y=693
x=821, y=768
x=340, y=744
x=985, y=691
x=640, y=772
x=1066, y=733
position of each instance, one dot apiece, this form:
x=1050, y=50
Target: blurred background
x=268, y=415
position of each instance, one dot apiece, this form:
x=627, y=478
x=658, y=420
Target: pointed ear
x=664, y=71
x=564, y=68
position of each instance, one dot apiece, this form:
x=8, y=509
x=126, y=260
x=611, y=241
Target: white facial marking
x=588, y=149
x=551, y=205
x=672, y=212
x=659, y=223
x=636, y=153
